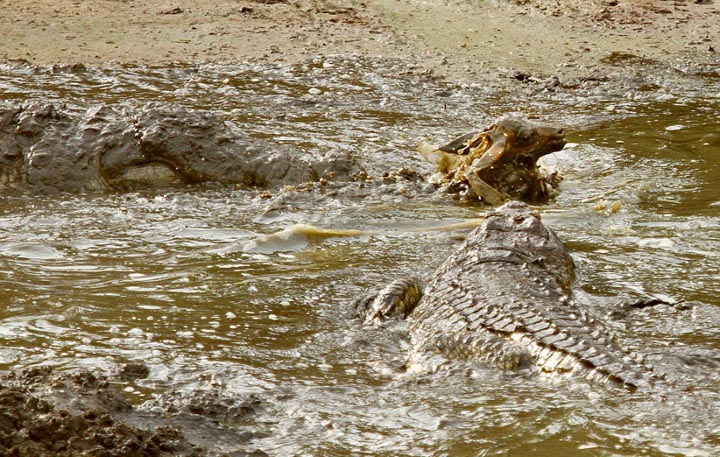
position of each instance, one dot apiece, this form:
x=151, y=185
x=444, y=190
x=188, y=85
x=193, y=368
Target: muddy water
x=188, y=282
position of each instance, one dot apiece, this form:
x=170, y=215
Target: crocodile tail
x=580, y=357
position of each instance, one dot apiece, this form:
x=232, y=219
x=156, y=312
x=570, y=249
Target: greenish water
x=165, y=277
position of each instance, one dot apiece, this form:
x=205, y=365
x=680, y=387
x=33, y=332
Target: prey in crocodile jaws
x=504, y=297
x=498, y=163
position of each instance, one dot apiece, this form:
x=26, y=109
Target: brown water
x=167, y=278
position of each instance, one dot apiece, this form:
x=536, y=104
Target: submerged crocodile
x=504, y=297
x=48, y=149
x=498, y=163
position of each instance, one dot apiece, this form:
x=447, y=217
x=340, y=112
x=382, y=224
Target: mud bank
x=458, y=39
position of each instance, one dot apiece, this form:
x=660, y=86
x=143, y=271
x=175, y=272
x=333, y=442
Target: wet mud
x=80, y=413
x=48, y=150
x=73, y=414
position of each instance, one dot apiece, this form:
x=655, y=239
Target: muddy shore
x=459, y=39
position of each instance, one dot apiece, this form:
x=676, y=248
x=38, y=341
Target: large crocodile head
x=500, y=162
x=515, y=230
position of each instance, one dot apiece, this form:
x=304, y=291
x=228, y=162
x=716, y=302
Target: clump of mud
x=222, y=424
x=47, y=414
x=79, y=413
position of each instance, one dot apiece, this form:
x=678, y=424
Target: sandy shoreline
x=459, y=39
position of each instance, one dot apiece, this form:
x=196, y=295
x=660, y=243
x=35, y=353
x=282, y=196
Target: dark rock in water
x=46, y=150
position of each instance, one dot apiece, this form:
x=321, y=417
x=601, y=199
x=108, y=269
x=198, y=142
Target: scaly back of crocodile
x=508, y=288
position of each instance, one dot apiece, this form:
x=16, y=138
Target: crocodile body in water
x=45, y=149
x=504, y=297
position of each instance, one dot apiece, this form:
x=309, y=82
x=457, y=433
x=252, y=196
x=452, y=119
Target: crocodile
x=48, y=149
x=504, y=297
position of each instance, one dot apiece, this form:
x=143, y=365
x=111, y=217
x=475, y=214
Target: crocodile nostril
x=560, y=131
